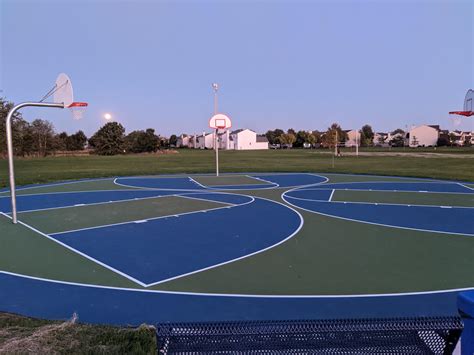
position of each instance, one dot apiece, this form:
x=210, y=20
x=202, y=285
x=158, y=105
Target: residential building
x=424, y=136
x=353, y=138
x=246, y=139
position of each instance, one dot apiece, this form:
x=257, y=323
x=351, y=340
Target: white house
x=381, y=139
x=424, y=136
x=205, y=141
x=353, y=138
x=246, y=139
x=183, y=141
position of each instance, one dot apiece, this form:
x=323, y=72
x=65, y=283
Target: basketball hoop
x=78, y=109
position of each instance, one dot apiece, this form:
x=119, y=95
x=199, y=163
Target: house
x=381, y=139
x=183, y=141
x=246, y=139
x=353, y=138
x=424, y=136
x=205, y=141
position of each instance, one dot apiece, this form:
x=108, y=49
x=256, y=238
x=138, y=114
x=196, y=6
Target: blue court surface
x=277, y=246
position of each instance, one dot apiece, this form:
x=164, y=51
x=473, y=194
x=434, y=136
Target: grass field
x=444, y=163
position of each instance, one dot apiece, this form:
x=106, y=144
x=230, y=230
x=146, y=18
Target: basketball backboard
x=220, y=121
x=468, y=109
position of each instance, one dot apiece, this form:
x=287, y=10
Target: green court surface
x=25, y=251
x=100, y=214
x=404, y=198
x=328, y=256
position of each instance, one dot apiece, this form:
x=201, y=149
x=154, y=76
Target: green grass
x=22, y=335
x=49, y=169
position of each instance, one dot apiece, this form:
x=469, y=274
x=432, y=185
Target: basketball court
x=264, y=247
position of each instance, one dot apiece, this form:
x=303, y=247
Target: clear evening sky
x=280, y=64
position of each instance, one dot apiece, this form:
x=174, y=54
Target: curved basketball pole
x=11, y=168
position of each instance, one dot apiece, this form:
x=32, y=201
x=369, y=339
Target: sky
x=280, y=64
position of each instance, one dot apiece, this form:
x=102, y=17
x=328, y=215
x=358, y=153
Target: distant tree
x=467, y=142
x=414, y=141
x=77, y=141
x=287, y=139
x=329, y=138
x=367, y=135
x=273, y=136
x=62, y=141
x=19, y=129
x=317, y=136
x=173, y=140
x=398, y=131
x=142, y=141
x=398, y=141
x=109, y=139
x=442, y=141
x=43, y=138
x=291, y=131
x=452, y=139
x=301, y=138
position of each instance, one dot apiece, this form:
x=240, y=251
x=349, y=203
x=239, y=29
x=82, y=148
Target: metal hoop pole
x=11, y=167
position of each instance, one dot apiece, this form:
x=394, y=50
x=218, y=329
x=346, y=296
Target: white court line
x=204, y=199
x=244, y=256
x=231, y=295
x=373, y=203
x=101, y=203
x=140, y=220
x=78, y=252
x=161, y=217
x=197, y=183
x=263, y=180
x=467, y=187
x=74, y=192
x=57, y=184
x=332, y=194
x=329, y=187
x=283, y=196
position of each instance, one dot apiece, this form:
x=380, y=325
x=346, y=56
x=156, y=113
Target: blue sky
x=280, y=64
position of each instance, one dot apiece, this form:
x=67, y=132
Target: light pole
x=215, y=87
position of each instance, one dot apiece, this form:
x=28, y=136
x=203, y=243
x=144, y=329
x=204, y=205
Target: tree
x=173, y=140
x=414, y=141
x=42, y=133
x=142, y=141
x=287, y=139
x=467, y=142
x=109, y=139
x=329, y=138
x=452, y=138
x=76, y=141
x=273, y=136
x=442, y=141
x=367, y=135
x=19, y=129
x=62, y=141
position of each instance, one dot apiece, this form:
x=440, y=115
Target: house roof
x=237, y=131
x=434, y=126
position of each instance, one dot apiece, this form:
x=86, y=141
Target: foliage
x=304, y=137
x=29, y=335
x=109, y=139
x=142, y=141
x=442, y=141
x=173, y=140
x=274, y=136
x=74, y=142
x=397, y=141
x=329, y=138
x=367, y=135
x=287, y=139
x=19, y=127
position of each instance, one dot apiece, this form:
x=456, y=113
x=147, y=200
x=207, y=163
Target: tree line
x=326, y=139
x=39, y=138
